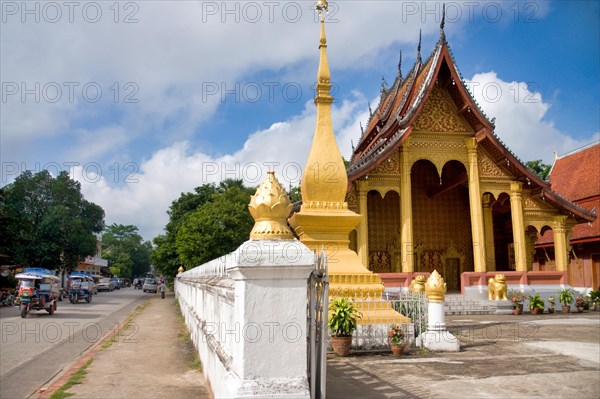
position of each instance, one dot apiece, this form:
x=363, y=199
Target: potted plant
x=396, y=338
x=565, y=297
x=517, y=298
x=551, y=307
x=579, y=303
x=536, y=304
x=342, y=323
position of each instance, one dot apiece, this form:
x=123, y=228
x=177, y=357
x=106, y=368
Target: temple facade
x=438, y=190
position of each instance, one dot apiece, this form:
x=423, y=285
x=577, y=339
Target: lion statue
x=417, y=284
x=497, y=288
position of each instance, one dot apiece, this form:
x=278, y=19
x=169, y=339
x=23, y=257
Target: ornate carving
x=270, y=207
x=435, y=287
x=352, y=201
x=488, y=168
x=497, y=288
x=389, y=166
x=439, y=114
x=324, y=205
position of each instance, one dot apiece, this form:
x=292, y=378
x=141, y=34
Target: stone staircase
x=457, y=304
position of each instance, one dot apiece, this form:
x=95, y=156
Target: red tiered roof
x=390, y=126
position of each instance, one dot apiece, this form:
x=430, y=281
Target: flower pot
x=397, y=349
x=537, y=310
x=341, y=345
x=566, y=309
x=579, y=309
x=550, y=310
x=518, y=309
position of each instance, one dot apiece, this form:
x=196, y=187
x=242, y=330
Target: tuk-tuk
x=80, y=287
x=38, y=289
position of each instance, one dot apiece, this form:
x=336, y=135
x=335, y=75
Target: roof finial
x=400, y=66
x=323, y=75
x=419, y=48
x=383, y=85
x=370, y=110
x=352, y=144
x=443, y=23
x=362, y=129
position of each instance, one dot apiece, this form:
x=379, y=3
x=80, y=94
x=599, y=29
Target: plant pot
x=580, y=309
x=537, y=310
x=518, y=309
x=397, y=349
x=566, y=309
x=550, y=310
x=341, y=345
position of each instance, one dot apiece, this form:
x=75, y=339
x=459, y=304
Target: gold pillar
x=363, y=227
x=406, y=214
x=477, y=233
x=488, y=225
x=561, y=248
x=518, y=226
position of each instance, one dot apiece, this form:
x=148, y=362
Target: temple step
x=456, y=304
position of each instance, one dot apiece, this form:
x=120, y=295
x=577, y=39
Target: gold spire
x=270, y=207
x=324, y=180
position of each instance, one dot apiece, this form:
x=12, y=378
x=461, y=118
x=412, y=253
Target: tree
x=191, y=237
x=539, y=168
x=46, y=221
x=215, y=229
x=128, y=256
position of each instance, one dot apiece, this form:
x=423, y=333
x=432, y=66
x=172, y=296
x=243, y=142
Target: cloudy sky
x=143, y=100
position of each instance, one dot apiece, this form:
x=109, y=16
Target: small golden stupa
x=324, y=220
x=270, y=207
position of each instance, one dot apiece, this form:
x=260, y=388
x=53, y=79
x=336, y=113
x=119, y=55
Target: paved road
x=35, y=349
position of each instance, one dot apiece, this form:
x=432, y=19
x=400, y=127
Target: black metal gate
x=317, y=304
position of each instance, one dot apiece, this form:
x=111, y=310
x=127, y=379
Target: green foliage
x=595, y=296
x=342, y=317
x=203, y=225
x=536, y=302
x=565, y=296
x=539, y=168
x=46, y=221
x=128, y=256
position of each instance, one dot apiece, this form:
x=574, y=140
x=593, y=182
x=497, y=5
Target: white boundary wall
x=249, y=324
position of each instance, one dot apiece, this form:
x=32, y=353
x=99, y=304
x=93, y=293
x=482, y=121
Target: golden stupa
x=324, y=220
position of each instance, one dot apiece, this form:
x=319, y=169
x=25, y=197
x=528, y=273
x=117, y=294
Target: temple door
x=452, y=274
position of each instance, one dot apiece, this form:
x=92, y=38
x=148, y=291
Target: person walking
x=162, y=288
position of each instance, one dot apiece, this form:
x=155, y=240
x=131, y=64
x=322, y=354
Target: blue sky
x=152, y=98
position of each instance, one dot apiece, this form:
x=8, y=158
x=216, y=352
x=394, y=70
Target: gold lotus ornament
x=270, y=207
x=417, y=284
x=435, y=287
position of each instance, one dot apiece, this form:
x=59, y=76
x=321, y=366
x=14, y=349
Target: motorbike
x=38, y=290
x=138, y=285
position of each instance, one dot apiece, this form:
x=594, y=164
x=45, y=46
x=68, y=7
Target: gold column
x=477, y=232
x=406, y=214
x=363, y=227
x=561, y=248
x=488, y=225
x=518, y=226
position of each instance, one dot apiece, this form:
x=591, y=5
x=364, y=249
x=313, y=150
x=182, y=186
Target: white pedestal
x=437, y=337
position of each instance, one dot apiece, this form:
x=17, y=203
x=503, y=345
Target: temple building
x=576, y=176
x=439, y=190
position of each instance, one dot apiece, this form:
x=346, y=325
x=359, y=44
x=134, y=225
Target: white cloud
x=521, y=118
x=284, y=146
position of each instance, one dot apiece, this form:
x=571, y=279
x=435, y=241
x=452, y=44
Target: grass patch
x=196, y=364
x=421, y=351
x=108, y=343
x=76, y=378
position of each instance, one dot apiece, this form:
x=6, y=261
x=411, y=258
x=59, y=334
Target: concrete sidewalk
x=151, y=357
x=550, y=356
